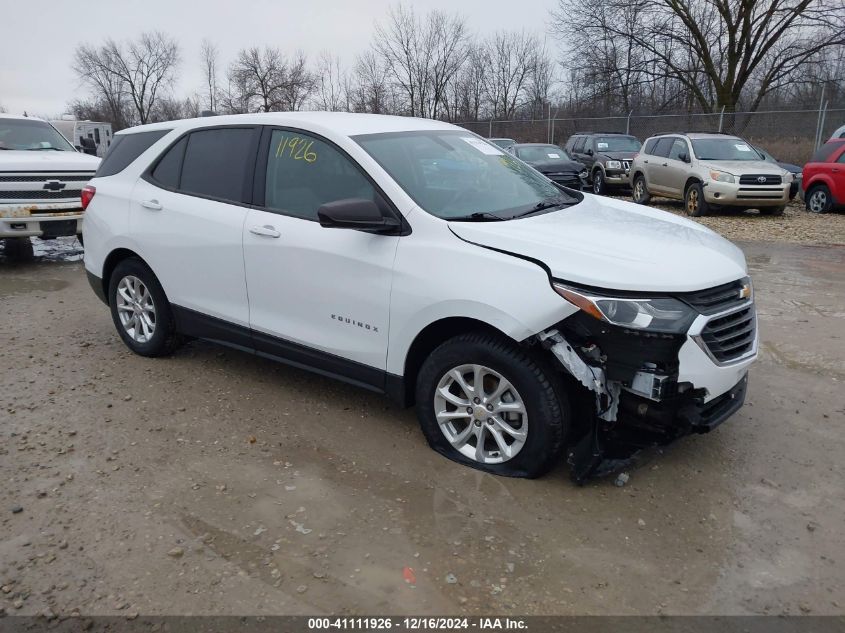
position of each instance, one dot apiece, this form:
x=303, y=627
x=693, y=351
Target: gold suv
x=708, y=171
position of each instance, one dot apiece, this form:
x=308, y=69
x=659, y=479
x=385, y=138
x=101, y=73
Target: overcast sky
x=38, y=38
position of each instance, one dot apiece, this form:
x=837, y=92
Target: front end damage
x=644, y=389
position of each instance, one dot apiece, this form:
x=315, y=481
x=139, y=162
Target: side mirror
x=683, y=156
x=589, y=152
x=356, y=213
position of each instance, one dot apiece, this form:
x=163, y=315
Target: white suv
x=416, y=259
x=41, y=178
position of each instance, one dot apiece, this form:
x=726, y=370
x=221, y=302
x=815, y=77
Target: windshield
x=766, y=156
x=537, y=153
x=31, y=134
x=617, y=144
x=723, y=149
x=455, y=175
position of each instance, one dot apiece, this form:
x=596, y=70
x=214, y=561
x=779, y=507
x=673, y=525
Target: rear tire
x=640, y=193
x=140, y=310
x=694, y=202
x=818, y=199
x=18, y=249
x=529, y=414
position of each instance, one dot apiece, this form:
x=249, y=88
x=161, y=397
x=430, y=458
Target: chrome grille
x=730, y=336
x=626, y=165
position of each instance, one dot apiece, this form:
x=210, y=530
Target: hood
x=619, y=155
x=615, y=245
x=554, y=165
x=793, y=169
x=739, y=167
x=46, y=160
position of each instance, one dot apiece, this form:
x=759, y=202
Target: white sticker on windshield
x=483, y=147
x=742, y=147
x=601, y=145
x=554, y=155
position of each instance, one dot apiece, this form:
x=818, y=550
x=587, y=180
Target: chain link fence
x=789, y=135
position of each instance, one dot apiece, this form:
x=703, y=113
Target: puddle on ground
x=32, y=268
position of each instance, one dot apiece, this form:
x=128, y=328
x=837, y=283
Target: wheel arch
x=432, y=336
x=112, y=260
x=690, y=182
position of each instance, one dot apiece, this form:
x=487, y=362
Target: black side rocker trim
x=199, y=325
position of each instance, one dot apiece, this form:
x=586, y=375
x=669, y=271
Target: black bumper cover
x=97, y=286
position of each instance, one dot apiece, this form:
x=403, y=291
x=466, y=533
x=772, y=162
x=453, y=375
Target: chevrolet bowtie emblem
x=745, y=291
x=53, y=185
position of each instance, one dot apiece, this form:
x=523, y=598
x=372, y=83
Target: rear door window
x=125, y=149
x=217, y=162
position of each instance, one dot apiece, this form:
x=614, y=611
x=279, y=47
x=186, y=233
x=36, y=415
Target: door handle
x=265, y=231
x=153, y=205
x=665, y=165
x=646, y=162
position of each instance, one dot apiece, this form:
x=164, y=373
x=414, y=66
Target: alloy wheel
x=481, y=414
x=136, y=309
x=817, y=201
x=692, y=201
x=638, y=190
x=597, y=183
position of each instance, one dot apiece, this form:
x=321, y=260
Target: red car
x=823, y=180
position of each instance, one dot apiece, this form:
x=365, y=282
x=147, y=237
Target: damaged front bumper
x=645, y=390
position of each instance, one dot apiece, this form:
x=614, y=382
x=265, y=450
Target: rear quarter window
x=649, y=146
x=125, y=149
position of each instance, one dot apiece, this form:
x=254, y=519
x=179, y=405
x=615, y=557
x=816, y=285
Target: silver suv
x=707, y=171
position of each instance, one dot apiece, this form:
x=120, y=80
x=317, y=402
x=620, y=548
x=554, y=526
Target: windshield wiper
x=548, y=203
x=38, y=149
x=478, y=216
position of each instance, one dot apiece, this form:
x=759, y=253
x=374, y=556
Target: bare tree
x=257, y=76
x=421, y=55
x=369, y=90
x=510, y=58
x=722, y=52
x=208, y=55
x=95, y=68
x=138, y=71
x=298, y=83
x=331, y=84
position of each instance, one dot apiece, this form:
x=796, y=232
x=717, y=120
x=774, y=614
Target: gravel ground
x=795, y=226
x=214, y=482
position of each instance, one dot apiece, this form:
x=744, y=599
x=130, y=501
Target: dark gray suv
x=606, y=155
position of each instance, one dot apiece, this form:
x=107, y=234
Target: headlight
x=787, y=177
x=583, y=174
x=722, y=176
x=613, y=164
x=660, y=314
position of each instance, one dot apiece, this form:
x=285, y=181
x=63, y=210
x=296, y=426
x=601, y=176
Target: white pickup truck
x=41, y=180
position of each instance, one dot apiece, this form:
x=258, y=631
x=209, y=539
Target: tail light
x=87, y=195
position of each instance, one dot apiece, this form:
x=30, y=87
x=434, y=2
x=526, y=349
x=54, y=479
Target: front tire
x=599, y=186
x=773, y=210
x=140, y=310
x=694, y=202
x=819, y=200
x=484, y=402
x=640, y=193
